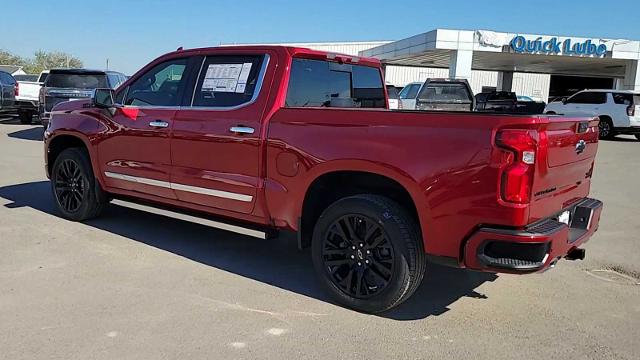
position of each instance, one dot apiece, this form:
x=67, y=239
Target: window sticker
x=227, y=77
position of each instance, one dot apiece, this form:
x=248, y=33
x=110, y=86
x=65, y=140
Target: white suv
x=618, y=110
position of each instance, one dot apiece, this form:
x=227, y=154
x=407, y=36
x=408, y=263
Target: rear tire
x=26, y=118
x=606, y=128
x=76, y=191
x=368, y=253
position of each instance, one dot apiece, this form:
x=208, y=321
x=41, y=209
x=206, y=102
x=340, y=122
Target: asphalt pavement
x=138, y=285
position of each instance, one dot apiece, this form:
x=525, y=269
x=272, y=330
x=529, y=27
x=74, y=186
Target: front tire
x=76, y=191
x=638, y=137
x=368, y=253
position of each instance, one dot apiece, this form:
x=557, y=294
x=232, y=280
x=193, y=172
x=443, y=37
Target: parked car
x=8, y=89
x=408, y=95
x=27, y=98
x=497, y=101
x=618, y=110
x=445, y=95
x=528, y=105
x=394, y=99
x=287, y=139
x=71, y=84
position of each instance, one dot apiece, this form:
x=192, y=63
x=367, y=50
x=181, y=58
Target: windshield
x=77, y=81
x=445, y=92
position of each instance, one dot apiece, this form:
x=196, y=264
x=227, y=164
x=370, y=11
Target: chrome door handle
x=159, y=124
x=242, y=130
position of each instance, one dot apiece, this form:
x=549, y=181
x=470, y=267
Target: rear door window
x=227, y=81
x=317, y=83
x=623, y=99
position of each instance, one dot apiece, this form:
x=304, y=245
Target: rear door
x=216, y=144
x=136, y=153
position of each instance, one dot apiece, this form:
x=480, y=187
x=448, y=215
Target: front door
x=136, y=153
x=216, y=142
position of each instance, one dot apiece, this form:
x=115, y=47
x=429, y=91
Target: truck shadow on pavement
x=277, y=262
x=33, y=134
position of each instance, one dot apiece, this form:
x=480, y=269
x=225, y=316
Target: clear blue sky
x=130, y=32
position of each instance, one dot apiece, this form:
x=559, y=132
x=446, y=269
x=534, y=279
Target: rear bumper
x=27, y=105
x=535, y=248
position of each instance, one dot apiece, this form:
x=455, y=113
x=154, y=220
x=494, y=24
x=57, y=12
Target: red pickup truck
x=290, y=139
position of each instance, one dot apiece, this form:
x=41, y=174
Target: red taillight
x=631, y=110
x=519, y=164
x=17, y=89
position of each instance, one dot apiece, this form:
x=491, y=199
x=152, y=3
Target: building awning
x=526, y=53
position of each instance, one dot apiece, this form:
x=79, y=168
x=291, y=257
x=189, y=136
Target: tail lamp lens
x=519, y=168
x=17, y=90
x=631, y=110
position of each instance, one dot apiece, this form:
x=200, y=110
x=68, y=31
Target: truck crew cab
x=290, y=139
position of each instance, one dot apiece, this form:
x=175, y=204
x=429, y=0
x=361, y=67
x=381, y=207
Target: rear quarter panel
x=444, y=160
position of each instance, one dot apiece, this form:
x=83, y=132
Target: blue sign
x=554, y=47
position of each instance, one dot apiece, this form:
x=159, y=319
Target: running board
x=202, y=220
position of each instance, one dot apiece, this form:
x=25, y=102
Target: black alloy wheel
x=368, y=252
x=358, y=256
x=75, y=189
x=69, y=185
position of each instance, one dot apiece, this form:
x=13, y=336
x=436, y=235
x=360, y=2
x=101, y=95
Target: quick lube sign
x=554, y=46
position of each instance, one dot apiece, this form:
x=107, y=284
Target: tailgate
x=567, y=151
x=29, y=91
x=54, y=96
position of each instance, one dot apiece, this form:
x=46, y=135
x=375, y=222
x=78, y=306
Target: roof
x=82, y=71
x=10, y=68
x=292, y=50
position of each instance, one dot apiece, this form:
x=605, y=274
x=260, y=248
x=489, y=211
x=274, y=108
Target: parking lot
x=137, y=285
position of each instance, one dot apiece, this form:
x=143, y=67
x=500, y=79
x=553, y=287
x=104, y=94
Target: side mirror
x=103, y=98
x=564, y=100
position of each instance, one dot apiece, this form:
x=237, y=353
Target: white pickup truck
x=27, y=97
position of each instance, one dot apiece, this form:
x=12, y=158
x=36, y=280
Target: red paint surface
x=447, y=162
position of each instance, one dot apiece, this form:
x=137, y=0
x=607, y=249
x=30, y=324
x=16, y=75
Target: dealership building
x=540, y=66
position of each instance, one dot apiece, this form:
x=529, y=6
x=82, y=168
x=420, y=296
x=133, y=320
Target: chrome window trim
x=257, y=91
x=254, y=98
x=180, y=187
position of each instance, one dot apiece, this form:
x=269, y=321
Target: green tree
x=48, y=60
x=7, y=58
x=42, y=60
